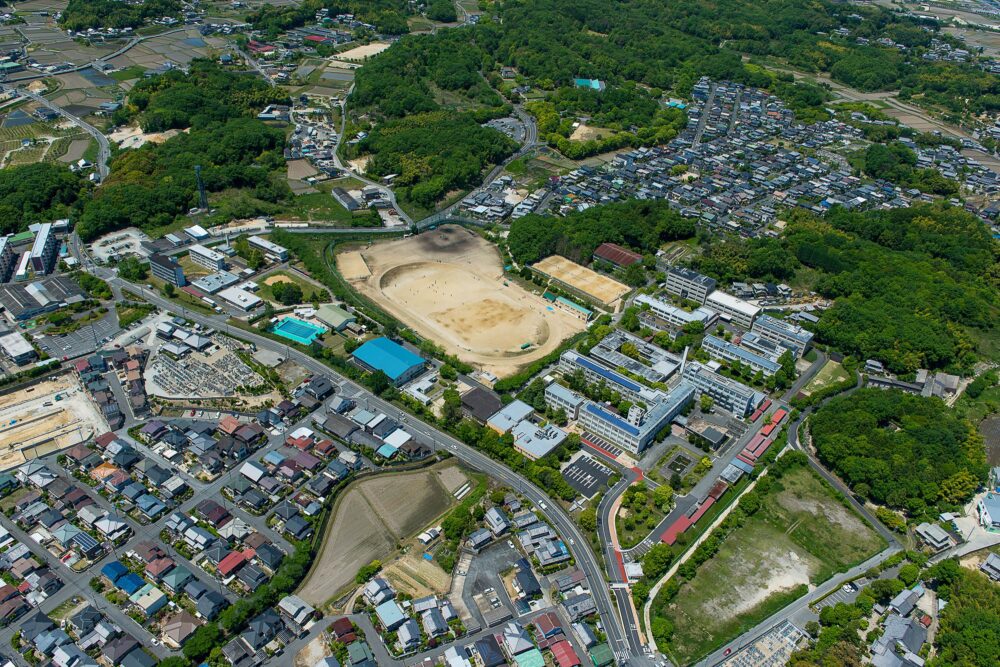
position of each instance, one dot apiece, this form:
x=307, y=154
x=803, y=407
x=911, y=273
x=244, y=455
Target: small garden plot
x=641, y=511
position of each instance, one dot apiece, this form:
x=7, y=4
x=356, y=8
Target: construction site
x=44, y=418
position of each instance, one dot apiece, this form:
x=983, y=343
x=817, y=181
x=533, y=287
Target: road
x=623, y=640
x=104, y=148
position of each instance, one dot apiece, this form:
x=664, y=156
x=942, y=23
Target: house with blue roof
x=130, y=583
x=390, y=615
x=114, y=571
x=398, y=363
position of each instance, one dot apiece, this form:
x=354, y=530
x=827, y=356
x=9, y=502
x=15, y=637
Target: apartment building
x=739, y=312
x=719, y=348
x=784, y=333
x=730, y=395
x=207, y=257
x=689, y=284
x=167, y=269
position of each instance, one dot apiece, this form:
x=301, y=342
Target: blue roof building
x=382, y=354
x=130, y=583
x=114, y=571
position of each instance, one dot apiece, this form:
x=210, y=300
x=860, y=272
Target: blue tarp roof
x=114, y=570
x=130, y=583
x=389, y=357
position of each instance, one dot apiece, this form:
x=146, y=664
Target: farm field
x=449, y=286
x=800, y=537
x=371, y=518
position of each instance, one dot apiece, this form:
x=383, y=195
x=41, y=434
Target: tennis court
x=298, y=331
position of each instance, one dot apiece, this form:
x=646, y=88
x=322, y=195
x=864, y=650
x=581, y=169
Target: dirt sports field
x=598, y=287
x=371, y=518
x=448, y=285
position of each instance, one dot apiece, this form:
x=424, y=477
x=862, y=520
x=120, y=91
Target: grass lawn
x=133, y=72
x=267, y=285
x=192, y=270
x=318, y=207
x=831, y=373
x=802, y=535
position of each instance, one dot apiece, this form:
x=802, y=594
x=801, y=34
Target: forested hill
x=388, y=16
x=98, y=14
x=151, y=186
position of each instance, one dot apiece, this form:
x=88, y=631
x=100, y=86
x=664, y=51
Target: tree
x=663, y=496
x=174, y=661
x=705, y=402
x=448, y=372
x=451, y=411
x=634, y=275
x=909, y=574
x=675, y=481
x=366, y=572
x=657, y=560
x=379, y=382
x=202, y=641
x=168, y=290
x=132, y=269
x=287, y=293
x=588, y=519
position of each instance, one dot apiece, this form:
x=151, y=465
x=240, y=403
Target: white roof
x=729, y=301
x=240, y=297
x=15, y=344
x=197, y=232
x=397, y=438
x=301, y=432
x=199, y=249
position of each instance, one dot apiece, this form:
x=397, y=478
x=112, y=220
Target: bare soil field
x=417, y=576
x=75, y=151
x=369, y=520
x=300, y=169
x=134, y=137
x=599, y=287
x=35, y=424
x=584, y=132
x=362, y=52
x=448, y=285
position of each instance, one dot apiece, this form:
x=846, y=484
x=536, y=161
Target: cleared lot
x=591, y=283
x=801, y=536
x=448, y=284
x=369, y=520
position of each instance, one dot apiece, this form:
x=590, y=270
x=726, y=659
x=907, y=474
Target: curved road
x=625, y=644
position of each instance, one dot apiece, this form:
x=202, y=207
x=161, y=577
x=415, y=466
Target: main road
x=624, y=641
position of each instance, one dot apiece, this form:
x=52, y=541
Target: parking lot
x=587, y=476
x=840, y=595
x=81, y=341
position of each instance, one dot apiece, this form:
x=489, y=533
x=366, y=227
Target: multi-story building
x=559, y=396
x=730, y=395
x=640, y=427
x=654, y=364
x=572, y=361
x=689, y=284
x=43, y=250
x=760, y=346
x=272, y=251
x=739, y=312
x=672, y=316
x=784, y=333
x=7, y=258
x=167, y=269
x=207, y=257
x=718, y=348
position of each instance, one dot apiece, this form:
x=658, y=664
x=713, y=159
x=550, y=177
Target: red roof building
x=105, y=439
x=565, y=655
x=231, y=563
x=617, y=255
x=229, y=424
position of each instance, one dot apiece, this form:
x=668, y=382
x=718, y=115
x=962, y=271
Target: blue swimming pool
x=298, y=331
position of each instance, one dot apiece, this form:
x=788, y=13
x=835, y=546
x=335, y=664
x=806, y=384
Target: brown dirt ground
x=448, y=285
x=588, y=281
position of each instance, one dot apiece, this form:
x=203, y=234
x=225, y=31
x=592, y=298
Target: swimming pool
x=299, y=331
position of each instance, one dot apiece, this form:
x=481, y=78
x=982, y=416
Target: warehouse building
x=215, y=282
x=664, y=313
x=730, y=395
x=17, y=348
x=617, y=255
x=739, y=312
x=167, y=269
x=784, y=333
x=639, y=429
x=382, y=354
x=207, y=257
x=689, y=284
x=719, y=348
x=272, y=251
x=22, y=302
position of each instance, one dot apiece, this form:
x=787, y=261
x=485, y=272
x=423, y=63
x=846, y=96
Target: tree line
x=84, y=14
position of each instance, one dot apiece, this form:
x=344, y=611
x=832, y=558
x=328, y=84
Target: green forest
x=37, y=193
x=388, y=16
x=906, y=452
x=153, y=185
x=84, y=14
x=913, y=288
x=433, y=153
x=641, y=225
